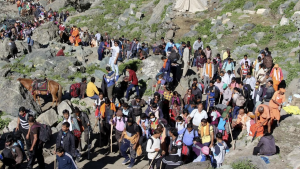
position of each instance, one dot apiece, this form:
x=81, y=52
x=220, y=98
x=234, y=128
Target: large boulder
x=14, y=96
x=56, y=5
x=247, y=26
x=248, y=5
x=297, y=6
x=151, y=66
x=64, y=105
x=156, y=16
x=4, y=48
x=255, y=160
x=196, y=165
x=284, y=21
x=12, y=124
x=49, y=117
x=45, y=33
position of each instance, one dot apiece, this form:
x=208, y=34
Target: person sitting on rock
x=241, y=121
x=92, y=90
x=142, y=54
x=266, y=145
x=61, y=52
x=12, y=154
x=263, y=117
x=173, y=160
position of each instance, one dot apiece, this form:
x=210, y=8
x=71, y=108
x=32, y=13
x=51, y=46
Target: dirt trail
x=185, y=25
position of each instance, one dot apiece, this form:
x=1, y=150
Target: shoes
x=78, y=159
x=126, y=161
x=130, y=165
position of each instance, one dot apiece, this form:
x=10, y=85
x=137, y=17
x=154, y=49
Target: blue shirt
x=189, y=108
x=188, y=137
x=66, y=162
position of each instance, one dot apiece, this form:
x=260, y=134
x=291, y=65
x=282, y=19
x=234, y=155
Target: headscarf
x=226, y=112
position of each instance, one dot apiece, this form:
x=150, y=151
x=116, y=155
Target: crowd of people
x=168, y=129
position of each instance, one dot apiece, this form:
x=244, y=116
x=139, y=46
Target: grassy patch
x=70, y=9
x=156, y=2
x=290, y=10
x=148, y=93
x=91, y=69
x=75, y=75
x=163, y=14
x=75, y=101
x=259, y=7
x=243, y=165
x=274, y=5
x=154, y=27
x=133, y=64
x=4, y=122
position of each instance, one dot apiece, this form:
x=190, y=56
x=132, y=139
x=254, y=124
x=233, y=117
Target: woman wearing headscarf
x=277, y=76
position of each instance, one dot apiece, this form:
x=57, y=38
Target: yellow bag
x=292, y=109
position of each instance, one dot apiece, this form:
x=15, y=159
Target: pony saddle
x=40, y=84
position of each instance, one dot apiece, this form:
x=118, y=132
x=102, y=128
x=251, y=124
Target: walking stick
x=111, y=129
x=233, y=141
x=153, y=159
x=55, y=157
x=208, y=103
x=100, y=133
x=89, y=147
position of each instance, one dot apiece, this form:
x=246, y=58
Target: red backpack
x=75, y=90
x=202, y=86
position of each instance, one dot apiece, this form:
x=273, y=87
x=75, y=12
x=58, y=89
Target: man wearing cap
x=226, y=94
x=263, y=112
x=276, y=104
x=277, y=76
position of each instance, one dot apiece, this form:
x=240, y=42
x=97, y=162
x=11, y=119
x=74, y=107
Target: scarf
x=165, y=63
x=209, y=72
x=277, y=74
x=102, y=109
x=206, y=132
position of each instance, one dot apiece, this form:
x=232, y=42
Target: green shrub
x=243, y=165
x=163, y=14
x=274, y=5
x=133, y=64
x=154, y=27
x=290, y=10
x=4, y=122
x=91, y=69
x=258, y=7
x=156, y=2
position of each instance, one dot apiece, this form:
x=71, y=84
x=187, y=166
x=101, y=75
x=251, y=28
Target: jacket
x=68, y=142
x=171, y=161
x=158, y=112
x=197, y=92
x=102, y=109
x=212, y=70
x=104, y=87
x=84, y=119
x=137, y=107
x=66, y=162
x=267, y=145
x=91, y=89
x=200, y=62
x=111, y=78
x=269, y=94
x=133, y=78
x=82, y=89
x=60, y=53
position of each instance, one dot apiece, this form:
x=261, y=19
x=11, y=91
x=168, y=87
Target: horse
x=53, y=87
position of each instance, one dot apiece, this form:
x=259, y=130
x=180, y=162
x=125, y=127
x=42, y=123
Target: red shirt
x=61, y=27
x=60, y=53
x=132, y=77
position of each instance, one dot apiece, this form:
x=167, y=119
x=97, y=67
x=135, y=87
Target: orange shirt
x=277, y=97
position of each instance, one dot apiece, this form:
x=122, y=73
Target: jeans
x=125, y=144
x=133, y=53
x=235, y=112
x=95, y=97
x=130, y=87
x=114, y=66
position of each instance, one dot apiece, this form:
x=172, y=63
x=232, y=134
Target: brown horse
x=53, y=87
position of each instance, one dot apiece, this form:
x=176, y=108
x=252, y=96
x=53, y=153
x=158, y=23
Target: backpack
x=75, y=90
x=185, y=149
x=30, y=112
x=174, y=56
x=122, y=119
x=152, y=141
x=240, y=100
x=202, y=86
x=45, y=132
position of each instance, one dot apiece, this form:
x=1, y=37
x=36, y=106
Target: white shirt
x=251, y=81
x=197, y=45
x=98, y=36
x=243, y=61
x=151, y=146
x=115, y=51
x=197, y=117
x=227, y=78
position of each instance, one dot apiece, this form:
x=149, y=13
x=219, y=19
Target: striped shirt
x=24, y=122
